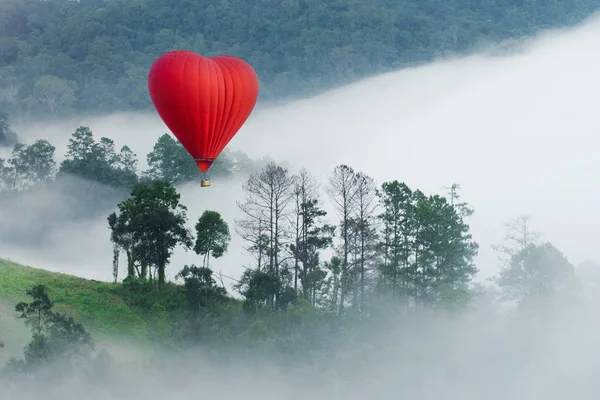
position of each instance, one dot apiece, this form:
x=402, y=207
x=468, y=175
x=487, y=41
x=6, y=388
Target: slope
x=97, y=305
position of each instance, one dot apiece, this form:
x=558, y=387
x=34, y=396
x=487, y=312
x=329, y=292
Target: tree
x=463, y=208
x=54, y=93
x=268, y=194
x=38, y=313
x=14, y=170
x=212, y=236
x=364, y=232
x=99, y=161
x=427, y=248
x=171, y=162
x=155, y=220
x=29, y=166
x=535, y=275
x=200, y=289
x=342, y=192
x=126, y=165
x=311, y=235
x=258, y=289
x=444, y=252
x=518, y=235
x=7, y=136
x=56, y=337
x=397, y=218
x=121, y=235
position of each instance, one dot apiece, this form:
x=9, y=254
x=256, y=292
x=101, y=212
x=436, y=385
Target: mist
x=517, y=132
x=483, y=355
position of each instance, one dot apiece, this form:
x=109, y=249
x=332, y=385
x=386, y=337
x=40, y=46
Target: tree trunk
x=161, y=275
x=130, y=265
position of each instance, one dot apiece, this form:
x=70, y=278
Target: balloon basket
x=204, y=180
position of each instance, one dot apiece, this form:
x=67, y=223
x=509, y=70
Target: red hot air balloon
x=203, y=101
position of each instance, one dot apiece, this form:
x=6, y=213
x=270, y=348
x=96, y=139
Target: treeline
x=387, y=241
x=98, y=160
x=318, y=281
x=63, y=56
x=296, y=310
x=386, y=245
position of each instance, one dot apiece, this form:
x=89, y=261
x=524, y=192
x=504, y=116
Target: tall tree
x=365, y=233
x=156, y=219
x=268, y=194
x=342, y=191
x=518, y=235
x=427, y=248
x=396, y=201
x=454, y=196
x=311, y=234
x=445, y=251
x=212, y=236
x=121, y=235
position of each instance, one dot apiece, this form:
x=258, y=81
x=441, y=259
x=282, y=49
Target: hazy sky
x=518, y=133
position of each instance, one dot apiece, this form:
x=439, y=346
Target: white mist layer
x=518, y=133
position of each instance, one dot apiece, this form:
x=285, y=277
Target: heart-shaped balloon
x=203, y=101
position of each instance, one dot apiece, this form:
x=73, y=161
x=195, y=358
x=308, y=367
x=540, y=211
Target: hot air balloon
x=203, y=101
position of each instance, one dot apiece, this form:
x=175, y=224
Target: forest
x=61, y=57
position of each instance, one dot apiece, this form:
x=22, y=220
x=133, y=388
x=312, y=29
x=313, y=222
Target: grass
x=97, y=305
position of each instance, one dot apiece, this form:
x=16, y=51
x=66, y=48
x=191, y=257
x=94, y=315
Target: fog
x=481, y=356
x=517, y=132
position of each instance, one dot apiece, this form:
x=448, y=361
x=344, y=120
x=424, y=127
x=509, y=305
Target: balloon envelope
x=203, y=101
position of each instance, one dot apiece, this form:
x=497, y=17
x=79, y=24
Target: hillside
x=97, y=305
x=94, y=54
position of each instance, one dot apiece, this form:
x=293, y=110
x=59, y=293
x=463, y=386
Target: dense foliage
x=57, y=56
x=31, y=166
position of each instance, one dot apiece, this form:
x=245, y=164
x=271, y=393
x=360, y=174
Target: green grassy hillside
x=97, y=305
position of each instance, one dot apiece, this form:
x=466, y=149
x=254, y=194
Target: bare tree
x=462, y=208
x=518, y=235
x=268, y=194
x=365, y=230
x=342, y=192
x=54, y=93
